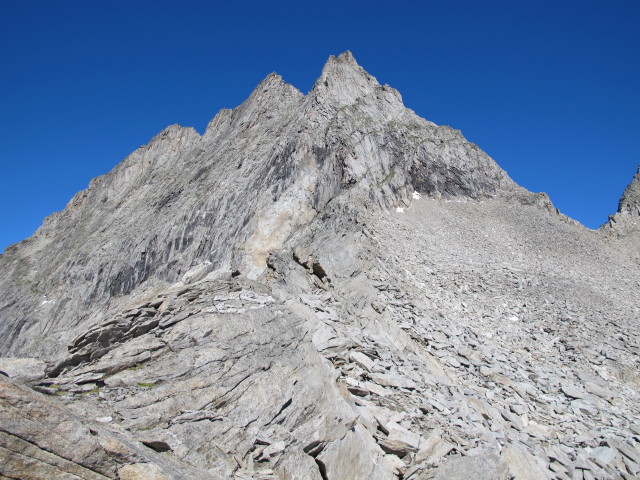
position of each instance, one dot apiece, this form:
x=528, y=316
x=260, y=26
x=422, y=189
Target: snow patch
x=400, y=209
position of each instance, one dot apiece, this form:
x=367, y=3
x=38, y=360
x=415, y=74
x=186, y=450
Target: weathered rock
x=603, y=456
x=354, y=457
x=433, y=449
x=315, y=287
x=362, y=360
x=521, y=464
x=630, y=200
x=484, y=465
x=627, y=220
x=23, y=369
x=41, y=438
x=396, y=447
x=141, y=471
x=573, y=392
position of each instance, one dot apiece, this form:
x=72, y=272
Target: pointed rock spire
x=343, y=81
x=627, y=218
x=630, y=201
x=272, y=95
x=273, y=88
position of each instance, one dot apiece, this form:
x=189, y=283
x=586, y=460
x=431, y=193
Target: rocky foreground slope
x=326, y=287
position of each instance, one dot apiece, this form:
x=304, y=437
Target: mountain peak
x=347, y=57
x=345, y=60
x=293, y=283
x=271, y=80
x=343, y=80
x=628, y=215
x=630, y=201
x=274, y=85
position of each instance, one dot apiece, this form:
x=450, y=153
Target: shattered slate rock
x=481, y=466
x=141, y=471
x=41, y=438
x=521, y=464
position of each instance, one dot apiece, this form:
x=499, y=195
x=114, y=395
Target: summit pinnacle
x=630, y=201
x=627, y=220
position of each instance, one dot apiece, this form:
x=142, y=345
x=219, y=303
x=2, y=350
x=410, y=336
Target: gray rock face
x=258, y=174
x=41, y=438
x=485, y=465
x=321, y=286
x=23, y=369
x=630, y=201
x=626, y=221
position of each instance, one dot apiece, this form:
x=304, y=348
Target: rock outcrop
x=627, y=218
x=321, y=286
x=630, y=201
x=231, y=196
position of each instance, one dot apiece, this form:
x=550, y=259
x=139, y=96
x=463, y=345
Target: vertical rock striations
x=630, y=201
x=628, y=207
x=259, y=173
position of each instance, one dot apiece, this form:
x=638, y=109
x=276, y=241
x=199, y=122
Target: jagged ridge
x=231, y=196
x=321, y=286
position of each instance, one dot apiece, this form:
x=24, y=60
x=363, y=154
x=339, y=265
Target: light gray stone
x=23, y=369
x=362, y=360
x=573, y=392
x=522, y=465
x=603, y=456
x=485, y=465
x=355, y=457
x=433, y=449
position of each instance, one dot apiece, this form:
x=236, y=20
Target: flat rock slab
x=522, y=465
x=23, y=369
x=481, y=466
x=141, y=471
x=41, y=438
x=363, y=360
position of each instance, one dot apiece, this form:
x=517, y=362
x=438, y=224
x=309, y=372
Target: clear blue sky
x=549, y=89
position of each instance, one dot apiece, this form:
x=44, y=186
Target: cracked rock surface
x=325, y=287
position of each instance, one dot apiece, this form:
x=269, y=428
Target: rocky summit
x=320, y=287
